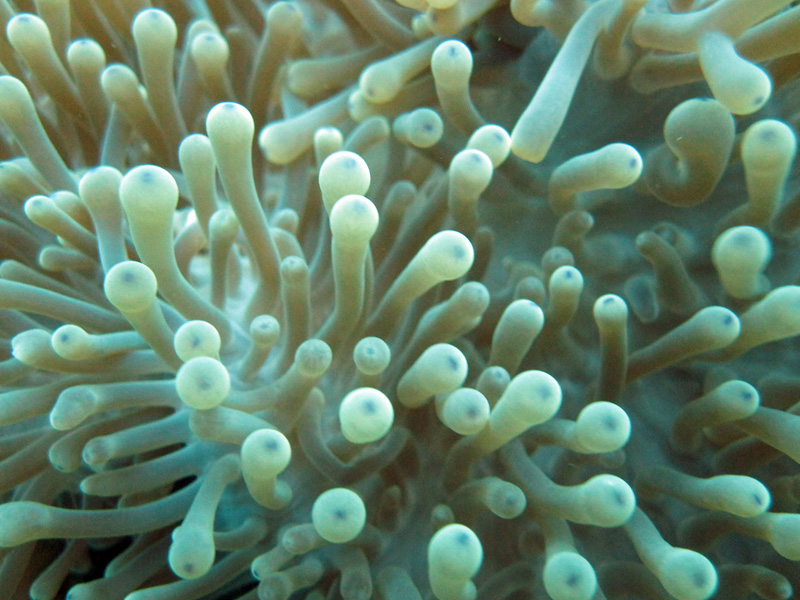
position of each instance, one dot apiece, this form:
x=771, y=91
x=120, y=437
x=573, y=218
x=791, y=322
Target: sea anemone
x=372, y=299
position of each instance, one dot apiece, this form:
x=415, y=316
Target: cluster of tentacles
x=373, y=299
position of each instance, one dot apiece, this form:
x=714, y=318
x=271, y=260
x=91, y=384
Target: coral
x=399, y=299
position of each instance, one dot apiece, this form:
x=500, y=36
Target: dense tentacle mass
x=399, y=299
